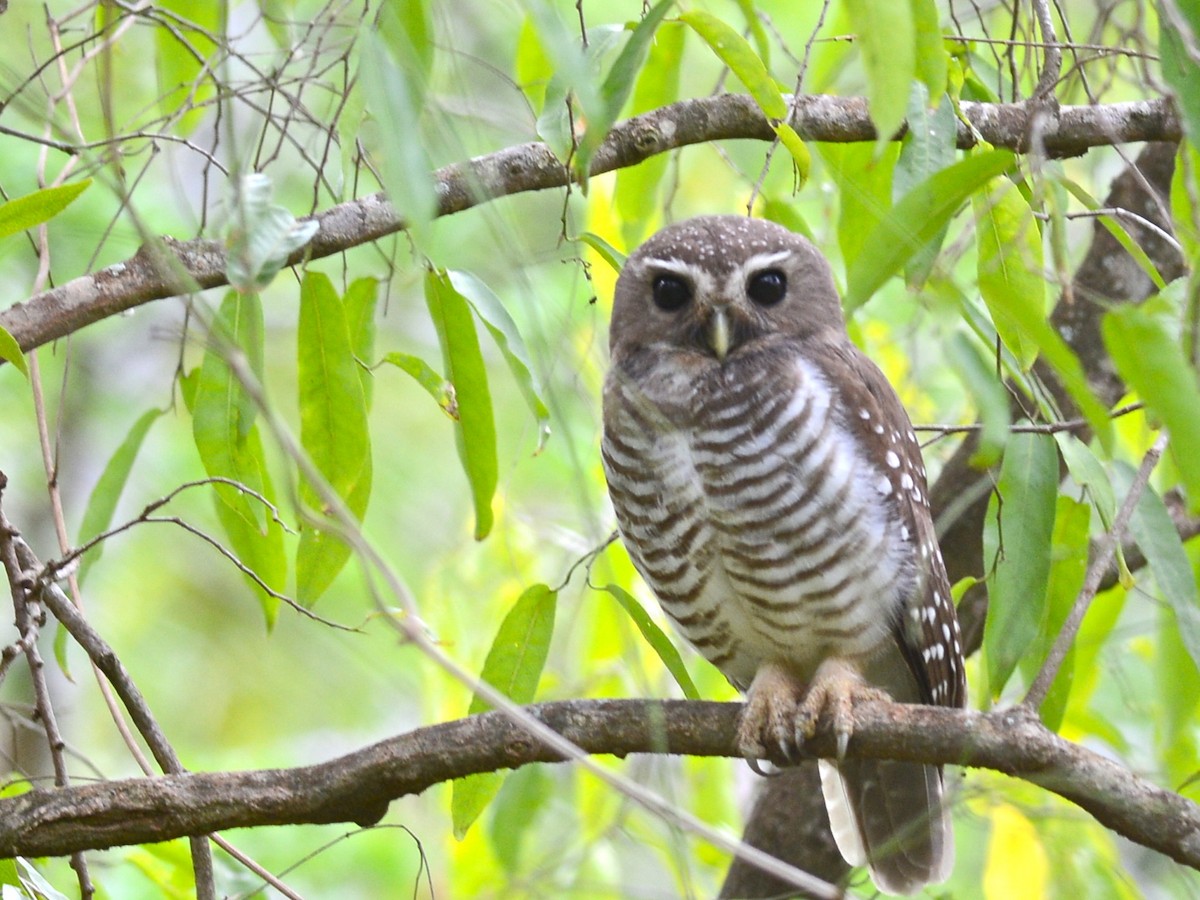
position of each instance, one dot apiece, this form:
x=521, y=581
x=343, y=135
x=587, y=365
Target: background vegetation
x=439, y=384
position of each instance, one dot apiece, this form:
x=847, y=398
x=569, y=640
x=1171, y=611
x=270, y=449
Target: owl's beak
x=718, y=332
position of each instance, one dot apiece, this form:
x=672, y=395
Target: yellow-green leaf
x=475, y=427
x=886, y=40
x=437, y=387
x=10, y=351
x=657, y=640
x=733, y=50
x=513, y=667
x=333, y=429
x=38, y=207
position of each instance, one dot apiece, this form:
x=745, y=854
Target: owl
x=770, y=490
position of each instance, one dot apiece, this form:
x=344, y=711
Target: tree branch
x=359, y=786
x=165, y=267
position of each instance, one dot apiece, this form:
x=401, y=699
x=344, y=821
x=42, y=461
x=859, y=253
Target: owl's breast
x=752, y=514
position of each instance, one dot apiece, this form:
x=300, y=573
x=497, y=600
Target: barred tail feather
x=890, y=817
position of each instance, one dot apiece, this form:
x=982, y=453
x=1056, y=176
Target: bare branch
x=359, y=786
x=167, y=268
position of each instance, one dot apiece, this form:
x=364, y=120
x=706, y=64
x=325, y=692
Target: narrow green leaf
x=1153, y=364
x=40, y=206
x=226, y=437
x=618, y=84
x=103, y=502
x=886, y=42
x=927, y=148
x=864, y=192
x=526, y=792
x=988, y=393
x=1114, y=226
x=1179, y=691
x=441, y=390
x=1068, y=568
x=733, y=50
x=532, y=67
x=636, y=193
x=917, y=219
x=186, y=81
x=407, y=28
x=1089, y=473
x=394, y=95
x=10, y=351
x=1156, y=535
x=929, y=49
x=513, y=667
x=475, y=428
x=610, y=254
x=1180, y=71
x=1010, y=265
x=504, y=332
x=1023, y=518
x=801, y=155
x=359, y=303
x=333, y=429
x=657, y=640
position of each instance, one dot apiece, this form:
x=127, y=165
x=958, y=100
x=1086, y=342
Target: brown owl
x=770, y=489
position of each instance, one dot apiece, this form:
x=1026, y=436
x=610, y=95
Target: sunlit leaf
x=10, y=351
x=801, y=155
x=437, y=387
x=618, y=84
x=333, y=429
x=886, y=40
x=1025, y=505
x=607, y=252
x=733, y=50
x=475, y=427
x=508, y=338
x=103, y=501
x=1153, y=364
x=513, y=667
x=38, y=207
x=262, y=235
x=917, y=219
x=657, y=640
x=1009, y=263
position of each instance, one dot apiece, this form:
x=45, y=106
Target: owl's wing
x=926, y=629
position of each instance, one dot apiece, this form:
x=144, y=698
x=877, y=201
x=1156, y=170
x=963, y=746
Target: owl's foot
x=767, y=729
x=835, y=689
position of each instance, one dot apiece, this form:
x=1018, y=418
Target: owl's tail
x=889, y=816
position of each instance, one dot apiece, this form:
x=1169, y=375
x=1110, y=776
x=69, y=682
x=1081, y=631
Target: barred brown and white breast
x=770, y=489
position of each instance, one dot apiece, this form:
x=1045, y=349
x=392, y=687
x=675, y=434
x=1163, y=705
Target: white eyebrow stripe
x=678, y=266
x=764, y=260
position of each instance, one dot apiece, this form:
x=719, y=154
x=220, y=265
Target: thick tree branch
x=359, y=786
x=166, y=267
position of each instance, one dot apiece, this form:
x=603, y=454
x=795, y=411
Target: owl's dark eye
x=671, y=293
x=767, y=288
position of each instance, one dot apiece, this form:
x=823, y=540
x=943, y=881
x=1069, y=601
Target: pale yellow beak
x=718, y=332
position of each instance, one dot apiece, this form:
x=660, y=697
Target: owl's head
x=719, y=284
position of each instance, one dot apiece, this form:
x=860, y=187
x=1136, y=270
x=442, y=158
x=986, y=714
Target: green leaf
x=1155, y=533
x=927, y=148
x=504, y=332
x=226, y=437
x=1022, y=517
x=424, y=374
x=1152, y=363
x=801, y=155
x=1179, y=70
x=186, y=81
x=395, y=94
x=333, y=429
x=733, y=50
x=886, y=41
x=864, y=192
x=1089, y=473
x=513, y=667
x=10, y=351
x=617, y=86
x=475, y=428
x=526, y=792
x=657, y=640
x=40, y=206
x=262, y=236
x=932, y=60
x=1068, y=568
x=103, y=502
x=1009, y=265
x=988, y=393
x=917, y=219
x=1114, y=226
x=636, y=191
x=359, y=304
x=610, y=254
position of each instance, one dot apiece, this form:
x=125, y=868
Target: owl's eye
x=671, y=293
x=767, y=288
